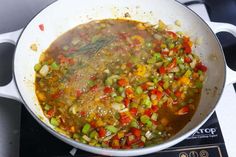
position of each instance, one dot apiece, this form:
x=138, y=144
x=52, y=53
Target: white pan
x=63, y=15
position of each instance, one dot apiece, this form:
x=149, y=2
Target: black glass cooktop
x=37, y=142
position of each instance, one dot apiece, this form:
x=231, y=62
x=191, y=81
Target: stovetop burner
x=36, y=141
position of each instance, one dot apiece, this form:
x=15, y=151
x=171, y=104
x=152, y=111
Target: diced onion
x=86, y=138
x=157, y=36
x=149, y=135
x=118, y=106
x=175, y=69
x=178, y=23
x=107, y=71
x=193, y=63
x=124, y=110
x=44, y=70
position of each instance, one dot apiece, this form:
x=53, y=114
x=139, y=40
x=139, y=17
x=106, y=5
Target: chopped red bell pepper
x=187, y=48
x=79, y=93
x=136, y=132
x=165, y=53
x=93, y=124
x=154, y=122
x=126, y=147
x=129, y=92
x=133, y=111
x=144, y=86
x=174, y=35
x=141, y=144
x=115, y=144
x=157, y=48
x=57, y=94
x=93, y=78
x=162, y=70
x=184, y=110
x=101, y=132
x=172, y=64
x=82, y=113
x=186, y=39
x=123, y=35
x=94, y=88
x=201, y=67
x=161, y=83
x=148, y=112
x=107, y=90
x=155, y=108
x=178, y=94
x=41, y=27
x=157, y=93
x=51, y=112
x=168, y=91
x=126, y=102
x=132, y=140
x=122, y=82
x=187, y=60
x=129, y=64
x=175, y=49
x=124, y=119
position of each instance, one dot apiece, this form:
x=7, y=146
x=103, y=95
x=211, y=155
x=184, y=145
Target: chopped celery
x=146, y=102
x=111, y=79
x=54, y=66
x=190, y=101
x=154, y=116
x=171, y=45
x=90, y=83
x=93, y=142
x=199, y=72
x=86, y=138
x=54, y=121
x=93, y=134
x=134, y=124
x=118, y=99
x=111, y=128
x=133, y=105
x=47, y=107
x=135, y=59
x=117, y=115
x=37, y=67
x=149, y=124
x=151, y=60
x=108, y=82
x=181, y=66
x=158, y=56
x=120, y=89
x=65, y=48
x=138, y=90
x=144, y=119
x=199, y=84
x=86, y=128
x=148, y=44
x=76, y=136
x=188, y=73
x=113, y=94
x=166, y=85
x=154, y=80
x=180, y=60
x=143, y=139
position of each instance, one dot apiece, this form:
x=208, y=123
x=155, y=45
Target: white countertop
x=15, y=15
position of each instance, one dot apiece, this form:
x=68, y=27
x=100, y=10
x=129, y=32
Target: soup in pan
x=119, y=84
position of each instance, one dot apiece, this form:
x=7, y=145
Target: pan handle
x=225, y=27
x=10, y=90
